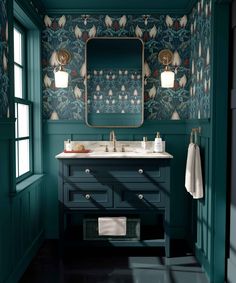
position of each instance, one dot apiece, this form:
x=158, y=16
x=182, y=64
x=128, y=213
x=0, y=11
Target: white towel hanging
x=189, y=174
x=198, y=185
x=193, y=173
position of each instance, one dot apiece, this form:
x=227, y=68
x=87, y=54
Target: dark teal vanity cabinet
x=138, y=189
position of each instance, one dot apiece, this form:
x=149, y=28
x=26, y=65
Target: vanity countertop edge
x=114, y=155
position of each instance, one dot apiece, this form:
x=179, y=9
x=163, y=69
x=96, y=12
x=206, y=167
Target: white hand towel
x=112, y=226
x=189, y=173
x=198, y=185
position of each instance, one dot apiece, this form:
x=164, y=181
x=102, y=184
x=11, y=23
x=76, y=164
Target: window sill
x=28, y=182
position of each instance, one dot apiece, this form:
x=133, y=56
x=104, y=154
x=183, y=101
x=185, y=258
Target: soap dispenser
x=68, y=145
x=157, y=143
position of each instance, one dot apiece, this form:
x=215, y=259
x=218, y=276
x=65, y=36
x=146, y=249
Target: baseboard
x=202, y=259
x=26, y=259
x=231, y=272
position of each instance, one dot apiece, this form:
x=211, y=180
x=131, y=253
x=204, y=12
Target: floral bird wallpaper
x=157, y=31
x=200, y=88
x=4, y=78
x=187, y=36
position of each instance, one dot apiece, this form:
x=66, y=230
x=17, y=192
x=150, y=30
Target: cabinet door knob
x=140, y=171
x=140, y=196
x=87, y=171
x=87, y=196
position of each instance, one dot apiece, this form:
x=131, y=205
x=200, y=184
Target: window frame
x=23, y=101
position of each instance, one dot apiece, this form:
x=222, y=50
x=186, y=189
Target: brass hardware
x=63, y=56
x=165, y=57
x=194, y=135
x=198, y=130
x=113, y=140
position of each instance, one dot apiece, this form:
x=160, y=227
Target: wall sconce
x=61, y=76
x=167, y=77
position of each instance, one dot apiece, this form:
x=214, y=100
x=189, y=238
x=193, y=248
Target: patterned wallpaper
x=4, y=80
x=157, y=31
x=200, y=88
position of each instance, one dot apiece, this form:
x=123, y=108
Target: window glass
x=18, y=81
x=23, y=120
x=23, y=106
x=23, y=156
x=17, y=46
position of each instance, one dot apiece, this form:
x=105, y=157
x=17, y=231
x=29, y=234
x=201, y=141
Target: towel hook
x=195, y=137
x=191, y=137
x=194, y=132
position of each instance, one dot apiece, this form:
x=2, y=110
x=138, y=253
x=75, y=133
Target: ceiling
x=121, y=5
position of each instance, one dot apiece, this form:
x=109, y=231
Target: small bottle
x=144, y=143
x=68, y=145
x=157, y=143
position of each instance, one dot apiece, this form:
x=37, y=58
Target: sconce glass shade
x=61, y=79
x=61, y=76
x=167, y=79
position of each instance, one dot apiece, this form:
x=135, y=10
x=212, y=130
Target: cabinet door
x=141, y=195
x=88, y=195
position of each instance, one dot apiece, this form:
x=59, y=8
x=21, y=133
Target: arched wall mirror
x=114, y=82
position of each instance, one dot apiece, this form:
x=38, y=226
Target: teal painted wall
x=21, y=213
x=21, y=217
x=55, y=132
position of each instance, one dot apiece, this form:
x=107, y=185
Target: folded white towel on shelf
x=193, y=173
x=112, y=226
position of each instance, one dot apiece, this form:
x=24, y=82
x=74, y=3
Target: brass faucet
x=113, y=140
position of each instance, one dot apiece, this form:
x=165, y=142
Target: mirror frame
x=86, y=80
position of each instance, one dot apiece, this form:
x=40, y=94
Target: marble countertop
x=64, y=155
x=133, y=149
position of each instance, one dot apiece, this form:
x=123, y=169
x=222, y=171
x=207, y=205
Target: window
x=23, y=107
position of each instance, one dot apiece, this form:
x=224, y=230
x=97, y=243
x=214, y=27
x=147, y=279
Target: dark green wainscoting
x=21, y=214
x=189, y=218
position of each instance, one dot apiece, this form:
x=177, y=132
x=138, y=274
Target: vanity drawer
x=141, y=172
x=114, y=170
x=140, y=195
x=87, y=195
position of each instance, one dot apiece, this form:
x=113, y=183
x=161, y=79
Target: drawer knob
x=140, y=171
x=140, y=196
x=87, y=196
x=87, y=171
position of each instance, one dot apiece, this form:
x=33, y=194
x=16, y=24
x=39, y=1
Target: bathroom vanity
x=134, y=185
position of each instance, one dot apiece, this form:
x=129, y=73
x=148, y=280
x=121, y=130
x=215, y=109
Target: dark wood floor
x=113, y=265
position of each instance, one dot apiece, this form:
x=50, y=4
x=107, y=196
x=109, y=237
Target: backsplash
x=201, y=43
x=4, y=78
x=157, y=31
